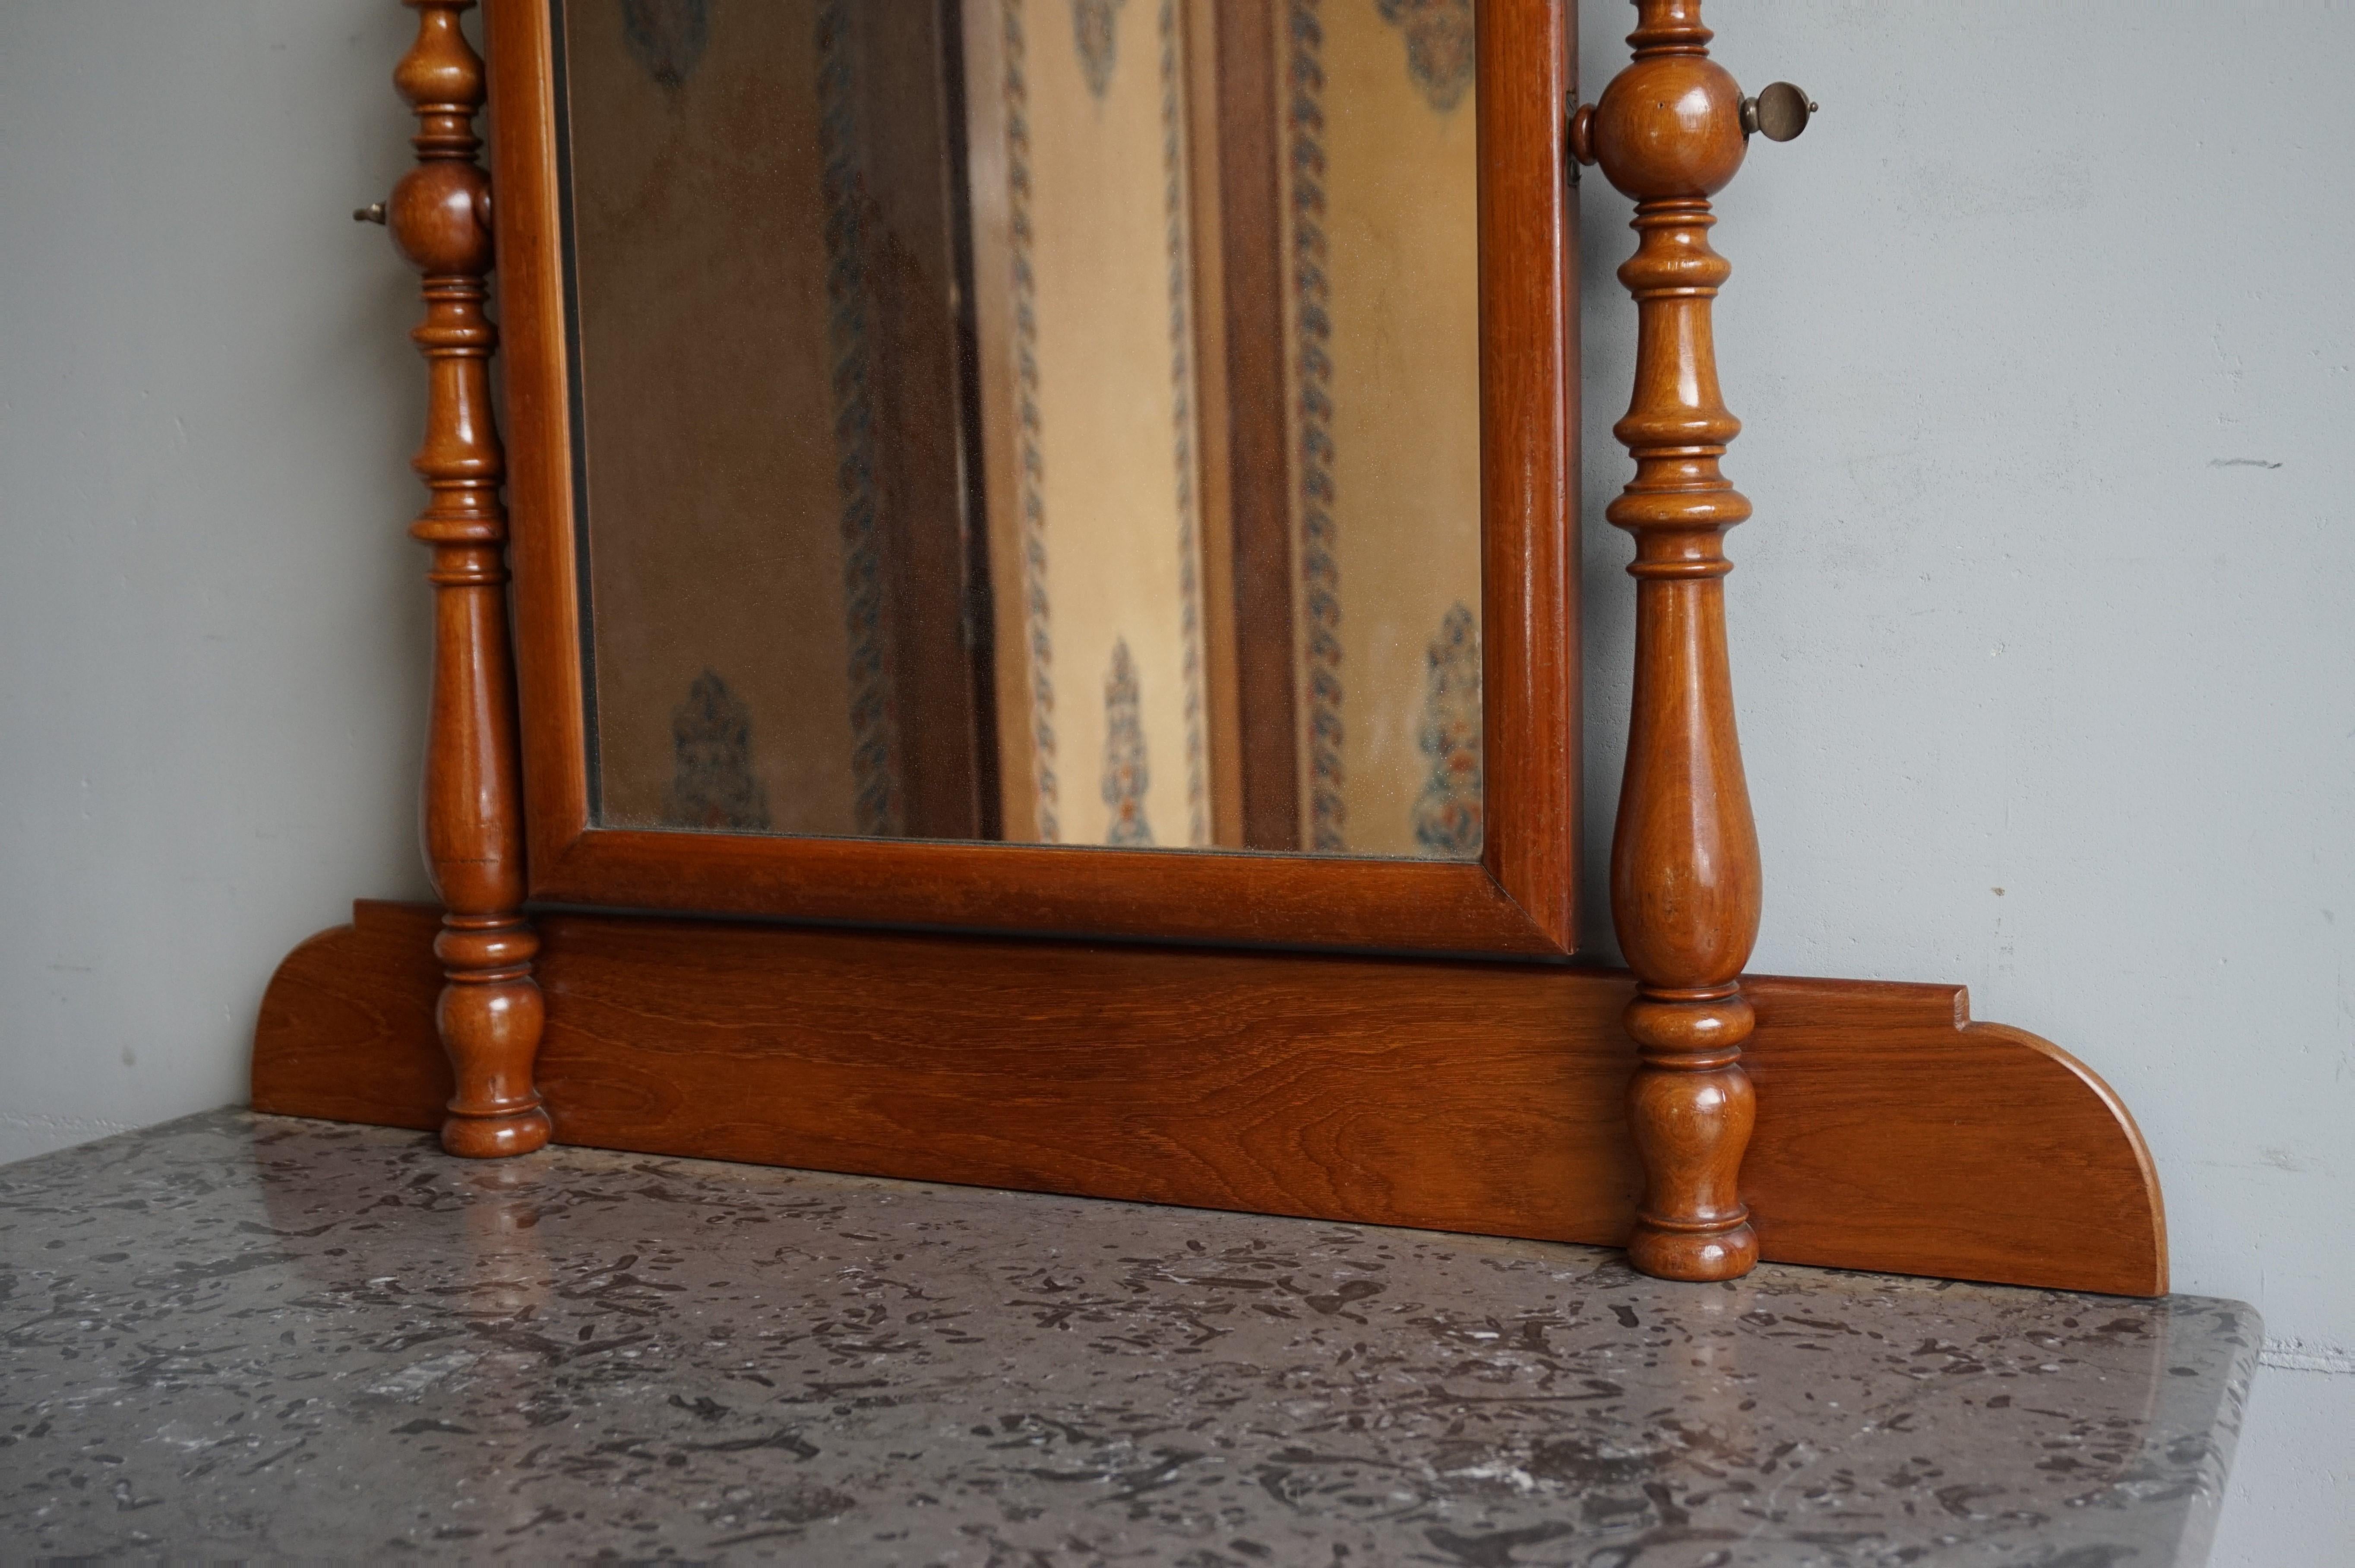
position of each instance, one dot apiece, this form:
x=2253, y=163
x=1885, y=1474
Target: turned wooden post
x=440, y=215
x=1670, y=131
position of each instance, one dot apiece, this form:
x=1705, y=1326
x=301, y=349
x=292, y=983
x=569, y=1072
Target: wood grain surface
x=1685, y=874
x=471, y=813
x=1436, y=1093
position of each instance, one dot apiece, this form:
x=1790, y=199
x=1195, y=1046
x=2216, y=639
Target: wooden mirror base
x=1892, y=1133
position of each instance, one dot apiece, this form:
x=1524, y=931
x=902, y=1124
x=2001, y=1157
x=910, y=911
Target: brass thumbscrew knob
x=1779, y=114
x=374, y=212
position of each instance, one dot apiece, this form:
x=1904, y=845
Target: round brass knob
x=1779, y=114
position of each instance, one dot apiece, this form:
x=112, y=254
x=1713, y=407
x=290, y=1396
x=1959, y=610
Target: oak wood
x=1520, y=899
x=1685, y=879
x=490, y=1009
x=1528, y=464
x=548, y=581
x=1893, y=1134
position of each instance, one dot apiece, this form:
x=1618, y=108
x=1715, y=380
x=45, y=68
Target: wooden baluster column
x=1670, y=131
x=491, y=1009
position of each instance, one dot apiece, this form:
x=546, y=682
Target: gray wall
x=212, y=636
x=2043, y=342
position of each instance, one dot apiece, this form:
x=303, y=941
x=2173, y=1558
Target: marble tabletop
x=242, y=1336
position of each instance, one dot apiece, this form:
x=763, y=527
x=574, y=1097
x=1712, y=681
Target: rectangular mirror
x=956, y=440
x=1055, y=421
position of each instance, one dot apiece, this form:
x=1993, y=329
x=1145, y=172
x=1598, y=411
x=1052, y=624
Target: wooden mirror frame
x=1538, y=1098
x=1519, y=898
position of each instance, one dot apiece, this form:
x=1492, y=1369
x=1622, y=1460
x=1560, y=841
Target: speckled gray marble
x=242, y=1336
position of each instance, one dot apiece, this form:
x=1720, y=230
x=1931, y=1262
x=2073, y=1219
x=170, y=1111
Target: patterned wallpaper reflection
x=887, y=478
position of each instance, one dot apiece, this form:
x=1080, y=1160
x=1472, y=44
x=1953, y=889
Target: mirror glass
x=1040, y=420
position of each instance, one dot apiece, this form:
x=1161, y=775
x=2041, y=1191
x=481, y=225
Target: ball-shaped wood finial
x=1669, y=128
x=440, y=215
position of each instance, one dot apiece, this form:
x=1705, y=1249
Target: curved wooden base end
x=348, y=1033
x=1892, y=1133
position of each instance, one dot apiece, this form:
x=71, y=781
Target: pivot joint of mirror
x=1779, y=114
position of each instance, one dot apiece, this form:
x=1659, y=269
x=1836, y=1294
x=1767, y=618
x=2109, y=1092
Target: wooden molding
x=1891, y=1135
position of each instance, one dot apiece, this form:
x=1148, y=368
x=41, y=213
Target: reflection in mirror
x=1050, y=420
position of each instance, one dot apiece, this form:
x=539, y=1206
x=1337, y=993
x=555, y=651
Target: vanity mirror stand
x=1391, y=1041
